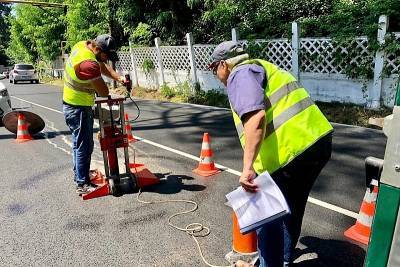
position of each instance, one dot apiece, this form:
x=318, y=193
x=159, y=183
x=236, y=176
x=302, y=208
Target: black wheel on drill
x=111, y=185
x=114, y=188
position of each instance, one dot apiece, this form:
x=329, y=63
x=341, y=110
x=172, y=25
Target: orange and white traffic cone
x=361, y=231
x=206, y=165
x=244, y=247
x=128, y=129
x=22, y=130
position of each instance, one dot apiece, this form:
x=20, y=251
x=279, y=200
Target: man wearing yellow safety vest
x=82, y=79
x=281, y=131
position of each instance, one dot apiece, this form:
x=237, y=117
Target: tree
x=35, y=33
x=4, y=33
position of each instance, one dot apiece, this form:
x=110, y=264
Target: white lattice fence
x=278, y=52
x=124, y=63
x=202, y=55
x=140, y=54
x=392, y=62
x=175, y=57
x=323, y=55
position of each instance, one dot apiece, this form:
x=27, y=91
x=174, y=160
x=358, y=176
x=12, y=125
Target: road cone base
x=132, y=140
x=206, y=173
x=232, y=257
x=23, y=140
x=144, y=177
x=353, y=234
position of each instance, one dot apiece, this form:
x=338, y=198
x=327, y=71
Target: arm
x=254, y=131
x=109, y=72
x=90, y=70
x=246, y=95
x=100, y=87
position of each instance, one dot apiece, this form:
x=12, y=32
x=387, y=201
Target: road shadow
x=172, y=184
x=331, y=253
x=7, y=136
x=53, y=134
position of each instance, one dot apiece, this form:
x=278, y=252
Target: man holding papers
x=282, y=132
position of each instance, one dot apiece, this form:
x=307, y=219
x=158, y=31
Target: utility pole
x=111, y=29
x=34, y=3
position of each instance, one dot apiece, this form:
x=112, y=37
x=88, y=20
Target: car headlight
x=4, y=93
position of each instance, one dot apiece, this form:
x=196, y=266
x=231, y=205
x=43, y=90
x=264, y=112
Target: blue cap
x=225, y=50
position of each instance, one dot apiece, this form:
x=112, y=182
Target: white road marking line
x=20, y=99
x=310, y=199
x=333, y=207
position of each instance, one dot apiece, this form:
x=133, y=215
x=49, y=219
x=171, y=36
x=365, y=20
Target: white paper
x=255, y=209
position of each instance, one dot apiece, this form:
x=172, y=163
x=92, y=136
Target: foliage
x=184, y=89
x=167, y=91
x=4, y=33
x=148, y=65
x=212, y=97
x=351, y=114
x=85, y=20
x=35, y=33
x=142, y=35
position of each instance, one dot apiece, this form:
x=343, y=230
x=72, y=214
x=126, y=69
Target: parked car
x=5, y=73
x=23, y=72
x=5, y=102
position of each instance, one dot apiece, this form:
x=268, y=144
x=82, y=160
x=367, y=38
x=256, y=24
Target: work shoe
x=85, y=188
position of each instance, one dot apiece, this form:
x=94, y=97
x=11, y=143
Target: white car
x=5, y=102
x=23, y=72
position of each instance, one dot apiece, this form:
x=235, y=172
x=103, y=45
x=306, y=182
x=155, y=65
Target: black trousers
x=295, y=181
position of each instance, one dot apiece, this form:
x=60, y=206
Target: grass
x=335, y=112
x=351, y=114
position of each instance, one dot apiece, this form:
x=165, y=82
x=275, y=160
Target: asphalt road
x=44, y=223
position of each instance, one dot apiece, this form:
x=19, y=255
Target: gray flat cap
x=225, y=50
x=107, y=44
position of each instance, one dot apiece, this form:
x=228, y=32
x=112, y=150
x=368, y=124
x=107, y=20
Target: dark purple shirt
x=245, y=87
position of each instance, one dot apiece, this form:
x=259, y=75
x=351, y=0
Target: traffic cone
x=22, y=130
x=128, y=129
x=244, y=247
x=206, y=165
x=361, y=231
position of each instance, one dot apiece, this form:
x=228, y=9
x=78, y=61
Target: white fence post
x=295, y=50
x=134, y=70
x=189, y=39
x=375, y=94
x=235, y=35
x=157, y=41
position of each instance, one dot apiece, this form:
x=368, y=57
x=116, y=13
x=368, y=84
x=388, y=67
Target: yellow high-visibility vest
x=76, y=91
x=293, y=122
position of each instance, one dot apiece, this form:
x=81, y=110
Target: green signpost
x=384, y=246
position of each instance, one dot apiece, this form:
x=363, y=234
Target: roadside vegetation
x=29, y=33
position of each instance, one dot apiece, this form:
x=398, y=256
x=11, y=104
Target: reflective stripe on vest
x=77, y=91
x=282, y=92
x=293, y=122
x=78, y=86
x=287, y=114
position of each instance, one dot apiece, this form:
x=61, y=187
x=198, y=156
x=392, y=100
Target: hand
x=247, y=181
x=122, y=79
